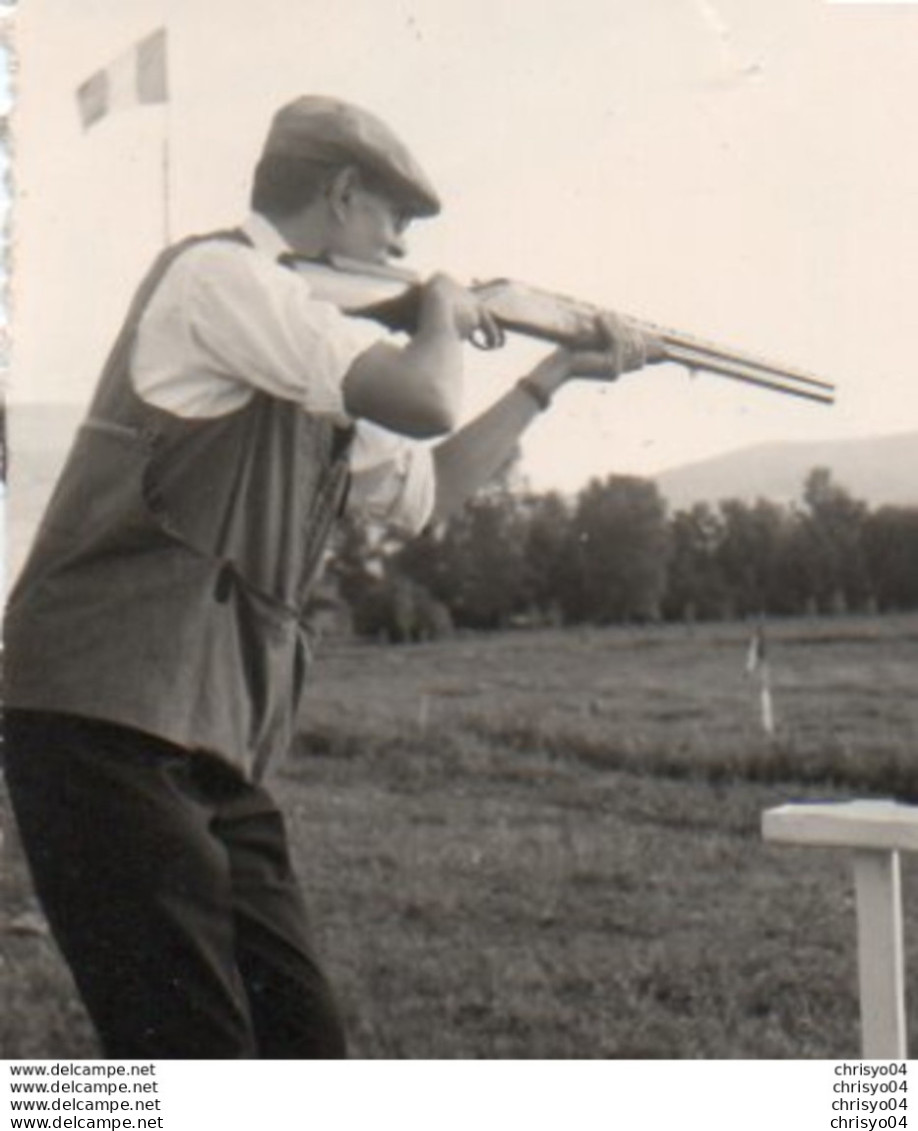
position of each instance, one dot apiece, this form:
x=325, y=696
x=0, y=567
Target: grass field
x=548, y=844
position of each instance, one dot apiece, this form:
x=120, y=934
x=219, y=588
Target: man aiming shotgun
x=155, y=650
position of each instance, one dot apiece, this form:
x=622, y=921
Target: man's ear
x=340, y=190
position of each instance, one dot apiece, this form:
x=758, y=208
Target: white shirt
x=225, y=322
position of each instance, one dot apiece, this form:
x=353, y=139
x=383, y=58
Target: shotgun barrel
x=523, y=309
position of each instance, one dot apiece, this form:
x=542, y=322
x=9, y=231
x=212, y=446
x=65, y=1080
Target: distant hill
x=881, y=470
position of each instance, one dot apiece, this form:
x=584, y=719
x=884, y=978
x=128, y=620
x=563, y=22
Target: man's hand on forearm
x=622, y=348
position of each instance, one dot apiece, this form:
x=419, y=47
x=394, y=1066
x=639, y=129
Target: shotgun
x=390, y=295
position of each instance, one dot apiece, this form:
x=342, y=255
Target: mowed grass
x=547, y=844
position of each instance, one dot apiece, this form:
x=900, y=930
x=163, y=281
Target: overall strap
x=112, y=388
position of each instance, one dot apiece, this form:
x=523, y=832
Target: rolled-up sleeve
x=392, y=479
x=226, y=320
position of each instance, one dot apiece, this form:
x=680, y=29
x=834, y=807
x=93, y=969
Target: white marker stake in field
x=875, y=831
x=757, y=666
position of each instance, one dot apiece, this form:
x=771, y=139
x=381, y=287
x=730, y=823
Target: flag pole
x=167, y=182
x=167, y=155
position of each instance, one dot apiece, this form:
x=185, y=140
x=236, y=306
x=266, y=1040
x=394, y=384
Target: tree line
x=613, y=554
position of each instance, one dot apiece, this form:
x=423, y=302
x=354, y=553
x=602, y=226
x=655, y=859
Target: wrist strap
x=535, y=391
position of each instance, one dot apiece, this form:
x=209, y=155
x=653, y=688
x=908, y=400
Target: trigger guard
x=482, y=340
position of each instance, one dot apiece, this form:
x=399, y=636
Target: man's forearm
x=415, y=390
x=471, y=457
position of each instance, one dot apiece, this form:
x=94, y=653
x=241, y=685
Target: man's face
x=372, y=227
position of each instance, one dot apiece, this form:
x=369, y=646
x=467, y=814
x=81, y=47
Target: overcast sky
x=739, y=169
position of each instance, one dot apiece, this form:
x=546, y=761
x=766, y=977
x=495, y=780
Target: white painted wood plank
x=888, y=825
x=880, y=953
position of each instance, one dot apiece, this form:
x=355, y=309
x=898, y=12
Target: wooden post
x=876, y=832
x=879, y=947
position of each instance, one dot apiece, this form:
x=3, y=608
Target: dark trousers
x=167, y=884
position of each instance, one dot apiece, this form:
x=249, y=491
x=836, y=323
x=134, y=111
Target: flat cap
x=327, y=129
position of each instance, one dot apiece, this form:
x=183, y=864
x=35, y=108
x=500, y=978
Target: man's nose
x=397, y=247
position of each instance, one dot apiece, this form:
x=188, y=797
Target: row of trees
x=614, y=555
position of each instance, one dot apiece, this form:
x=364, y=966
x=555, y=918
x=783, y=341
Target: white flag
x=137, y=77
